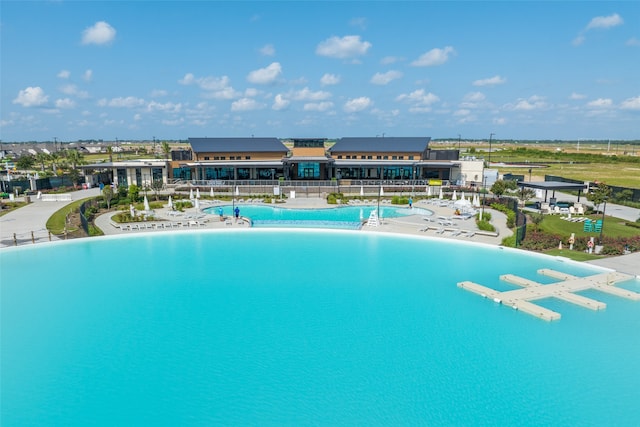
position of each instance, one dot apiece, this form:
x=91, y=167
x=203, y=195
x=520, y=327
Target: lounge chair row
x=454, y=231
x=158, y=225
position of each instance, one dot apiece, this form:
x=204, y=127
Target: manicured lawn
x=56, y=223
x=613, y=227
x=574, y=255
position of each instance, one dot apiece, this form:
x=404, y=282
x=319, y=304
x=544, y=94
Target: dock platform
x=520, y=299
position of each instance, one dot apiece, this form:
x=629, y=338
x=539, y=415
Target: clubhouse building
x=244, y=161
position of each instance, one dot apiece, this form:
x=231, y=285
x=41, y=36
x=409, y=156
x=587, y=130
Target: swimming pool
x=344, y=217
x=290, y=327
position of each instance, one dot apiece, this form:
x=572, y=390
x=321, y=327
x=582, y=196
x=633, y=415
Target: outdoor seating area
x=592, y=226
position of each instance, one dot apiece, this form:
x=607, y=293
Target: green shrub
x=486, y=216
x=485, y=226
x=399, y=200
x=510, y=241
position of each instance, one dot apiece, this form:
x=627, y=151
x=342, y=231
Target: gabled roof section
x=381, y=145
x=232, y=145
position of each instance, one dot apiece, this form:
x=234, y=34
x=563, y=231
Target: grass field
x=613, y=227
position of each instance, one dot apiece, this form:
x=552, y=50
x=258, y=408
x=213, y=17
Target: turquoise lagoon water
x=345, y=217
x=294, y=327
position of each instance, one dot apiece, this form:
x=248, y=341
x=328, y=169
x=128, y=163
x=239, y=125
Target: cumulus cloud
x=631, y=104
x=318, y=106
x=266, y=75
x=268, y=50
x=600, y=103
x=121, y=102
x=65, y=103
x=159, y=93
x=329, y=80
x=491, y=81
x=357, y=104
x=343, y=47
x=280, y=103
x=88, y=75
x=71, y=89
x=390, y=60
x=418, y=97
x=605, y=22
x=598, y=23
x=385, y=78
x=31, y=97
x=634, y=42
x=63, y=74
x=168, y=107
x=434, y=57
x=474, y=97
x=534, y=102
x=307, y=94
x=359, y=22
x=246, y=104
x=215, y=87
x=577, y=96
x=100, y=33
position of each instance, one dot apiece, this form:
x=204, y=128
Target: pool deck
x=29, y=225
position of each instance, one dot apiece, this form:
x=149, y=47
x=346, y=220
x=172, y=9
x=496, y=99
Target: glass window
x=309, y=170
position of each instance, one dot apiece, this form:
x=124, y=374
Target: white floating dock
x=520, y=299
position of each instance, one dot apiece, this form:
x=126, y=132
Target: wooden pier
x=520, y=299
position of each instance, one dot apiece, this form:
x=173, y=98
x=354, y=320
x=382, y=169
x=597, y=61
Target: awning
x=239, y=164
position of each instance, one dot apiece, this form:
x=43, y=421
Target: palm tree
x=110, y=153
x=75, y=157
x=42, y=158
x=166, y=149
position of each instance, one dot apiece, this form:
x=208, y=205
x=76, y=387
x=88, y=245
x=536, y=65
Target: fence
x=30, y=237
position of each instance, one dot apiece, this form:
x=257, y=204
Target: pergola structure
x=553, y=186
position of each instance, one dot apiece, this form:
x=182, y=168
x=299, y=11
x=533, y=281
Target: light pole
x=459, y=138
x=484, y=196
x=490, y=140
x=602, y=226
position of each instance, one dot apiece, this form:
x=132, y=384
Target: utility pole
x=490, y=139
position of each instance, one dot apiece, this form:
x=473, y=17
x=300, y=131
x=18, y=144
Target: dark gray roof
x=231, y=145
x=553, y=185
x=381, y=145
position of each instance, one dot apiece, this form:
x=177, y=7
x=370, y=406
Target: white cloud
x=246, y=104
x=345, y=47
x=88, y=75
x=100, y=33
x=418, y=97
x=265, y=75
x=120, y=102
x=474, y=97
x=31, y=97
x=534, y=102
x=318, y=106
x=268, y=50
x=390, y=60
x=169, y=107
x=577, y=96
x=307, y=95
x=634, y=42
x=280, y=103
x=385, y=78
x=462, y=112
x=600, y=103
x=491, y=81
x=63, y=74
x=631, y=104
x=216, y=87
x=71, y=89
x=65, y=103
x=359, y=22
x=499, y=121
x=605, y=22
x=578, y=40
x=159, y=93
x=357, y=104
x=434, y=57
x=329, y=80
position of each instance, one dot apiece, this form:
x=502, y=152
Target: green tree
x=526, y=194
x=134, y=193
x=166, y=149
x=107, y=195
x=110, y=153
x=75, y=157
x=157, y=186
x=599, y=194
x=42, y=158
x=499, y=188
x=536, y=219
x=25, y=162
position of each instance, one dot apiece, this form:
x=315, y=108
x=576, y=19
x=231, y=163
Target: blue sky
x=173, y=70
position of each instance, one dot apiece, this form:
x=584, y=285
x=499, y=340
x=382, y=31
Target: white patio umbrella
x=454, y=197
x=197, y=204
x=428, y=191
x=440, y=195
x=462, y=204
x=197, y=193
x=382, y=191
x=146, y=204
x=361, y=190
x=237, y=191
x=170, y=203
x=462, y=195
x=191, y=194
x=211, y=192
